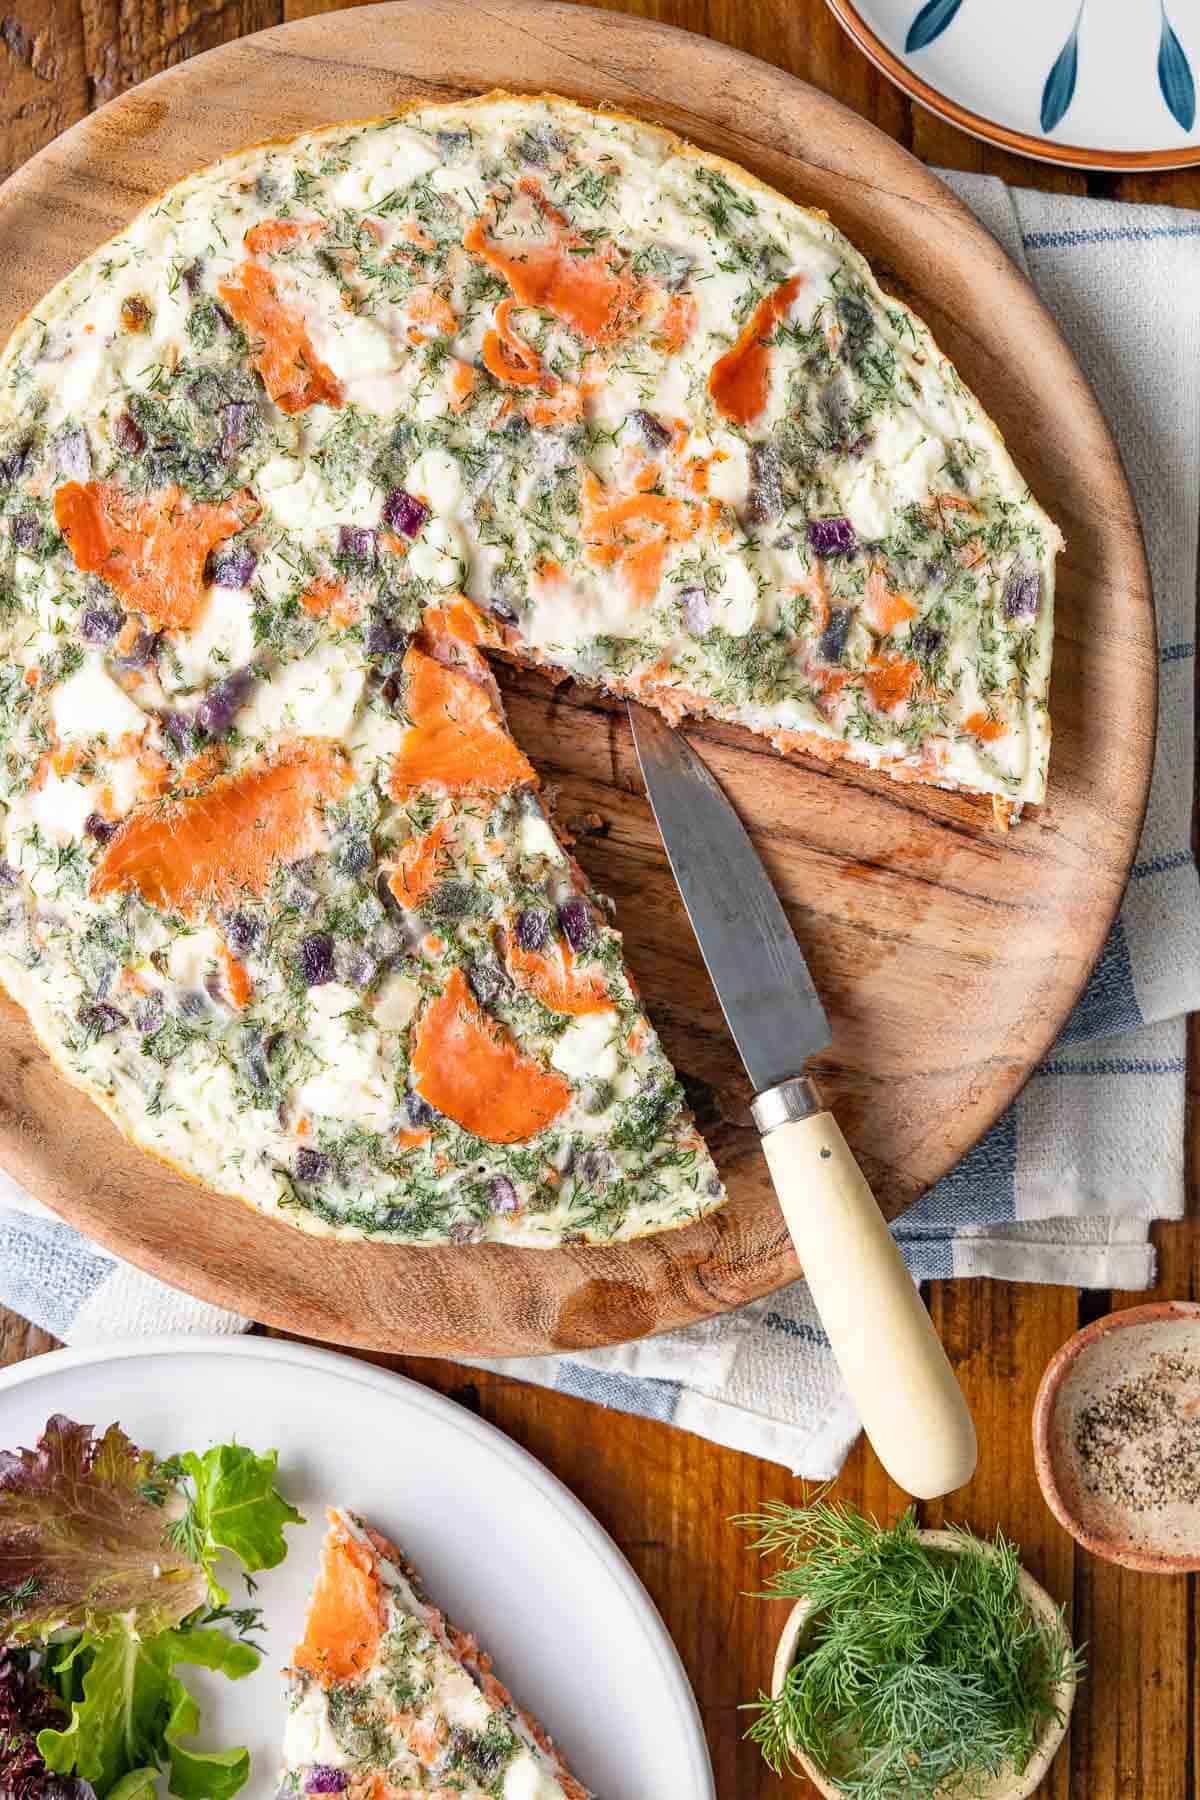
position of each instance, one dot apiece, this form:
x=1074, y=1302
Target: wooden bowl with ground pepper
x=1116, y=1437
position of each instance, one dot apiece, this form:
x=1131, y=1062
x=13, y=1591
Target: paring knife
x=911, y=1406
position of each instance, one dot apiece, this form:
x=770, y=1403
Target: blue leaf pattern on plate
x=930, y=23
x=1175, y=76
x=1059, y=90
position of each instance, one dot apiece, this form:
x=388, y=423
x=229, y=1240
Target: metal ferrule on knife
x=796, y=1098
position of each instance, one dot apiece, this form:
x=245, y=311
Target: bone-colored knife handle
x=891, y=1359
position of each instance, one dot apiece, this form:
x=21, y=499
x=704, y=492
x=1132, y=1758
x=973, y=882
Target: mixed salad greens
x=108, y=1587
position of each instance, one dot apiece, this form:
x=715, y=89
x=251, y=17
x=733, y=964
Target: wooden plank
x=1000, y=1336
x=125, y=43
x=1136, y=1733
x=943, y=145
x=60, y=58
x=806, y=41
x=1175, y=187
x=43, y=76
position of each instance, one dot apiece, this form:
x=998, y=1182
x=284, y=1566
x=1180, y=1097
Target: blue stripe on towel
x=1115, y=1065
x=1128, y=234
x=628, y=1393
x=929, y=1259
x=1108, y=1003
x=1160, y=865
x=980, y=1190
x=1170, y=653
x=799, y=1329
x=49, y=1270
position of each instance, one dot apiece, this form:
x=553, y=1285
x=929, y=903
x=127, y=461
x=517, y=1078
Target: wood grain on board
x=947, y=954
x=665, y=1496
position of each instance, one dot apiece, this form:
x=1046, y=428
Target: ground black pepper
x=1139, y=1444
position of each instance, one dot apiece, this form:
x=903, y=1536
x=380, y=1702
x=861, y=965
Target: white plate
x=505, y=1548
x=1108, y=84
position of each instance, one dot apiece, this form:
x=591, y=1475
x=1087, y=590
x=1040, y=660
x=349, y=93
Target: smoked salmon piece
x=633, y=532
x=456, y=740
x=739, y=381
x=461, y=383
x=554, y=976
x=676, y=323
x=468, y=1067
x=505, y=353
x=210, y=846
x=460, y=619
x=453, y=632
x=562, y=406
x=581, y=288
x=151, y=550
x=892, y=682
x=328, y=598
x=280, y=349
x=238, y=984
x=985, y=727
x=270, y=235
x=886, y=608
x=346, y=1612
x=416, y=870
x=429, y=316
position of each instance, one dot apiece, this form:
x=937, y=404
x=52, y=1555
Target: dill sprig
x=923, y=1671
x=247, y=1621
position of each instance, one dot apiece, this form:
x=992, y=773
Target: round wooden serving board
x=948, y=956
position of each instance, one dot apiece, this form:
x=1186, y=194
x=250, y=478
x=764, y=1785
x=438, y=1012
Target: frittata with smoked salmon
x=284, y=468
x=388, y=1700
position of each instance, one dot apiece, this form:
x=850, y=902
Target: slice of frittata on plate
x=389, y=1701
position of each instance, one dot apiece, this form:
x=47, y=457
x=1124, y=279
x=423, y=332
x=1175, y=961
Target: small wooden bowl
x=1005, y=1787
x=1157, y=1347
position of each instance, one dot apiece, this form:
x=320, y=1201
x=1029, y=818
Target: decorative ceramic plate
x=447, y=1487
x=1088, y=83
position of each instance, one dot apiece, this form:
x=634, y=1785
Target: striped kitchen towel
x=1063, y=1187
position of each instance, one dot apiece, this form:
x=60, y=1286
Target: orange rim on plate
x=1071, y=156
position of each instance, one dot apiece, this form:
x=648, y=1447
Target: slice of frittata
x=389, y=1701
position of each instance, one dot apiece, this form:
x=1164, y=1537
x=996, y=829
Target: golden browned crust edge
x=809, y=745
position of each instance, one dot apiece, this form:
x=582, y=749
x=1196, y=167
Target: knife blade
x=766, y=992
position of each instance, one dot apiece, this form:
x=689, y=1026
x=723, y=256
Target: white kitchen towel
x=1063, y=1187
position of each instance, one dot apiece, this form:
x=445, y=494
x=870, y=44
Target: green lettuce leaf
x=82, y=1524
x=107, y=1561
x=233, y=1506
x=139, y=1784
x=132, y=1710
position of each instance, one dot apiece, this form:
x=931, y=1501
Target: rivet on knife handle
x=891, y=1359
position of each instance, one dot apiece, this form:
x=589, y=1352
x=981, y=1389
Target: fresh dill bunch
x=923, y=1673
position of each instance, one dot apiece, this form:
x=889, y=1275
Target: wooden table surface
x=666, y=1496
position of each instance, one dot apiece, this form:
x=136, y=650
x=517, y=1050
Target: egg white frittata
x=335, y=422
